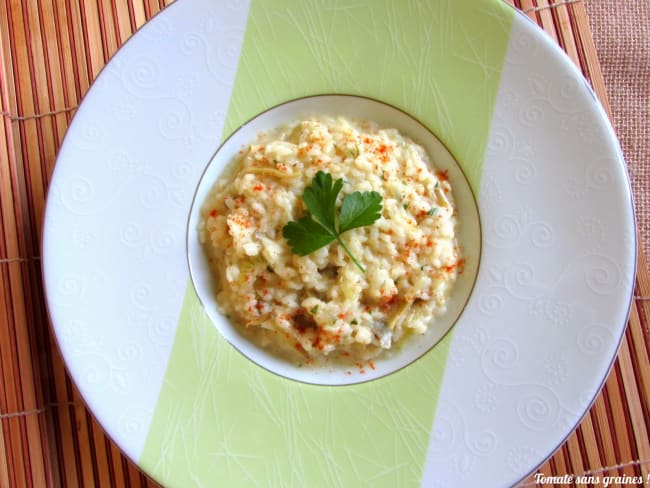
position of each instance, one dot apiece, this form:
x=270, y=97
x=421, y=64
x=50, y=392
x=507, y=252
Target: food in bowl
x=332, y=238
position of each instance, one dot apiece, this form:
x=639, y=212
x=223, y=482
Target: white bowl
x=469, y=236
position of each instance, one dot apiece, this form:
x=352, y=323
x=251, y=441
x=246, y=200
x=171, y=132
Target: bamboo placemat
x=50, y=52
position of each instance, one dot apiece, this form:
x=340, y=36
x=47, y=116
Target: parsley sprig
x=322, y=225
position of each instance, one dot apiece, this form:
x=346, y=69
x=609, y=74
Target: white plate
x=488, y=403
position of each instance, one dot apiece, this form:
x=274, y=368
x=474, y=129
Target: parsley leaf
x=320, y=199
x=306, y=235
x=359, y=209
x=320, y=226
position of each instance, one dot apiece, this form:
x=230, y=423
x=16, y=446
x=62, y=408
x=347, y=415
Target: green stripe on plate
x=222, y=420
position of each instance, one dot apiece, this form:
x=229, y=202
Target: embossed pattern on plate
x=119, y=200
x=551, y=300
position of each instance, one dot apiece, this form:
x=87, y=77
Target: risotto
x=324, y=304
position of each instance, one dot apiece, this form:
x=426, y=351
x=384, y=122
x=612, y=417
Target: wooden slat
x=50, y=51
x=567, y=40
x=86, y=461
x=643, y=307
x=40, y=95
x=66, y=450
x=559, y=462
x=589, y=444
x=624, y=414
x=122, y=19
x=65, y=60
x=8, y=246
x=101, y=454
x=544, y=17
x=604, y=432
x=72, y=29
x=108, y=28
x=55, y=81
x=92, y=37
x=119, y=466
x=139, y=15
x=587, y=53
x=634, y=404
